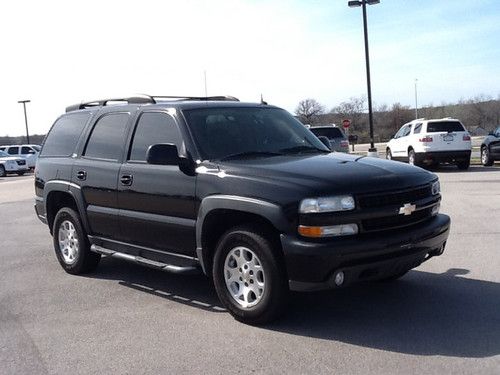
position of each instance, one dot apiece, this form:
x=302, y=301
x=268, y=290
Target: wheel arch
x=218, y=214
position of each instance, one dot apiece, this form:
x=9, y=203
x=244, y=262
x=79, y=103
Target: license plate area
x=448, y=138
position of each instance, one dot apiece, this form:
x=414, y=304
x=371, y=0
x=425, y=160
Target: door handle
x=81, y=175
x=126, y=179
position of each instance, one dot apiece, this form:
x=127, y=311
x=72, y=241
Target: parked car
x=240, y=191
x=430, y=142
x=336, y=136
x=12, y=164
x=27, y=152
x=490, y=148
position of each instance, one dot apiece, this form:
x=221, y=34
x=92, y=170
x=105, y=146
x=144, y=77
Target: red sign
x=346, y=123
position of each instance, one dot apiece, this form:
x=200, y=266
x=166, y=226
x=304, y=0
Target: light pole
x=372, y=151
x=26, y=119
x=416, y=105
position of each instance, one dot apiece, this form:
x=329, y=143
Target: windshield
x=330, y=133
x=251, y=132
x=3, y=154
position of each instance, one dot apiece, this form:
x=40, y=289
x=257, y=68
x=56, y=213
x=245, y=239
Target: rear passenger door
x=96, y=171
x=157, y=207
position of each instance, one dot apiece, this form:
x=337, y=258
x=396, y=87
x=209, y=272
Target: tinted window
x=328, y=132
x=418, y=128
x=152, y=128
x=108, y=137
x=405, y=131
x=13, y=150
x=444, y=126
x=26, y=150
x=63, y=137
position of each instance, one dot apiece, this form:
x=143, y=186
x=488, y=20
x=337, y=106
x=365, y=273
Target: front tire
x=71, y=244
x=412, y=157
x=388, y=154
x=249, y=275
x=486, y=159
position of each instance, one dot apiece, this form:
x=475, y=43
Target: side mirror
x=162, y=154
x=325, y=141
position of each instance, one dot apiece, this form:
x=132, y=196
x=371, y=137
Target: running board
x=143, y=261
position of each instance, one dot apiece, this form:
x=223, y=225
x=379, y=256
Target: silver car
x=336, y=136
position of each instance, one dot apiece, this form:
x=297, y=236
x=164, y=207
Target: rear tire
x=2, y=171
x=71, y=244
x=486, y=159
x=412, y=157
x=249, y=275
x=463, y=165
x=388, y=154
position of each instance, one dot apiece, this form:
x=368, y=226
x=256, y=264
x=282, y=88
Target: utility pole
x=416, y=105
x=26, y=119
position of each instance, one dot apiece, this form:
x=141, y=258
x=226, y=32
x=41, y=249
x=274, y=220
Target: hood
x=330, y=173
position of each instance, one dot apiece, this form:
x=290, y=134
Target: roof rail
x=140, y=99
x=146, y=99
x=201, y=98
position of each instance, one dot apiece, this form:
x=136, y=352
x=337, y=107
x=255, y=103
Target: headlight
x=327, y=204
x=436, y=188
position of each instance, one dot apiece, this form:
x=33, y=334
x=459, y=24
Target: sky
x=58, y=53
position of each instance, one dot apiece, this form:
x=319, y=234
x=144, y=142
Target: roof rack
x=145, y=99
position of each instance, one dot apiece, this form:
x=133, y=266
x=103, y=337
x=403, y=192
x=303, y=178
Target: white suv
x=27, y=152
x=430, y=142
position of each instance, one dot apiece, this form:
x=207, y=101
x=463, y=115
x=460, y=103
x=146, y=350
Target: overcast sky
x=58, y=53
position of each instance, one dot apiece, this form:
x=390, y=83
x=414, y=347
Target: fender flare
x=269, y=211
x=74, y=191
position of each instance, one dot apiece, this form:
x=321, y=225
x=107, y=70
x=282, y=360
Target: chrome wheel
x=68, y=242
x=411, y=158
x=484, y=156
x=244, y=276
x=388, y=154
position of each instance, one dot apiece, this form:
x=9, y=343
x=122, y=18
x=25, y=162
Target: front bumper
x=443, y=156
x=313, y=265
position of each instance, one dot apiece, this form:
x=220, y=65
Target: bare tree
x=353, y=110
x=308, y=110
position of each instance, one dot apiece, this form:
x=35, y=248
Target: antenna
x=262, y=100
x=205, y=75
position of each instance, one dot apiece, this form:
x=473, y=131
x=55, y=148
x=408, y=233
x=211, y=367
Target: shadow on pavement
x=422, y=313
x=192, y=290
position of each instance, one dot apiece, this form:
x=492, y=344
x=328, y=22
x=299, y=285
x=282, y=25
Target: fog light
x=339, y=278
x=435, y=209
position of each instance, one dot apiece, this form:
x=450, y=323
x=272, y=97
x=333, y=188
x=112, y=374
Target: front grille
x=394, y=198
x=21, y=162
x=393, y=222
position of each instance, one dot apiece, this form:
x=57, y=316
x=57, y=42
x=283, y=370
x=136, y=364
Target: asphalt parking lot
x=443, y=317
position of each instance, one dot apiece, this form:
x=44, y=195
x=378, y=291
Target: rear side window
x=444, y=126
x=108, y=137
x=153, y=128
x=328, y=132
x=13, y=150
x=63, y=137
x=418, y=128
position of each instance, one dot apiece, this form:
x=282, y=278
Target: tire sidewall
x=3, y=173
x=273, y=275
x=388, y=154
x=67, y=214
x=411, y=157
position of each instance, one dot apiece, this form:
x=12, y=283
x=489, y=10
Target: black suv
x=490, y=148
x=242, y=192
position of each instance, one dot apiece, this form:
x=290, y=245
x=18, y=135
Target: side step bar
x=143, y=261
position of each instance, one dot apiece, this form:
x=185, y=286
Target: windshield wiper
x=250, y=154
x=302, y=148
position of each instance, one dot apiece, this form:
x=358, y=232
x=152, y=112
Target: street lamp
x=372, y=151
x=416, y=105
x=26, y=119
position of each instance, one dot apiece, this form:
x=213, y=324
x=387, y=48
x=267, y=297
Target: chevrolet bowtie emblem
x=407, y=209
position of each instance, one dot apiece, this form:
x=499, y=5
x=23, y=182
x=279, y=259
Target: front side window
x=107, y=140
x=248, y=131
x=13, y=150
x=64, y=135
x=153, y=128
x=27, y=150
